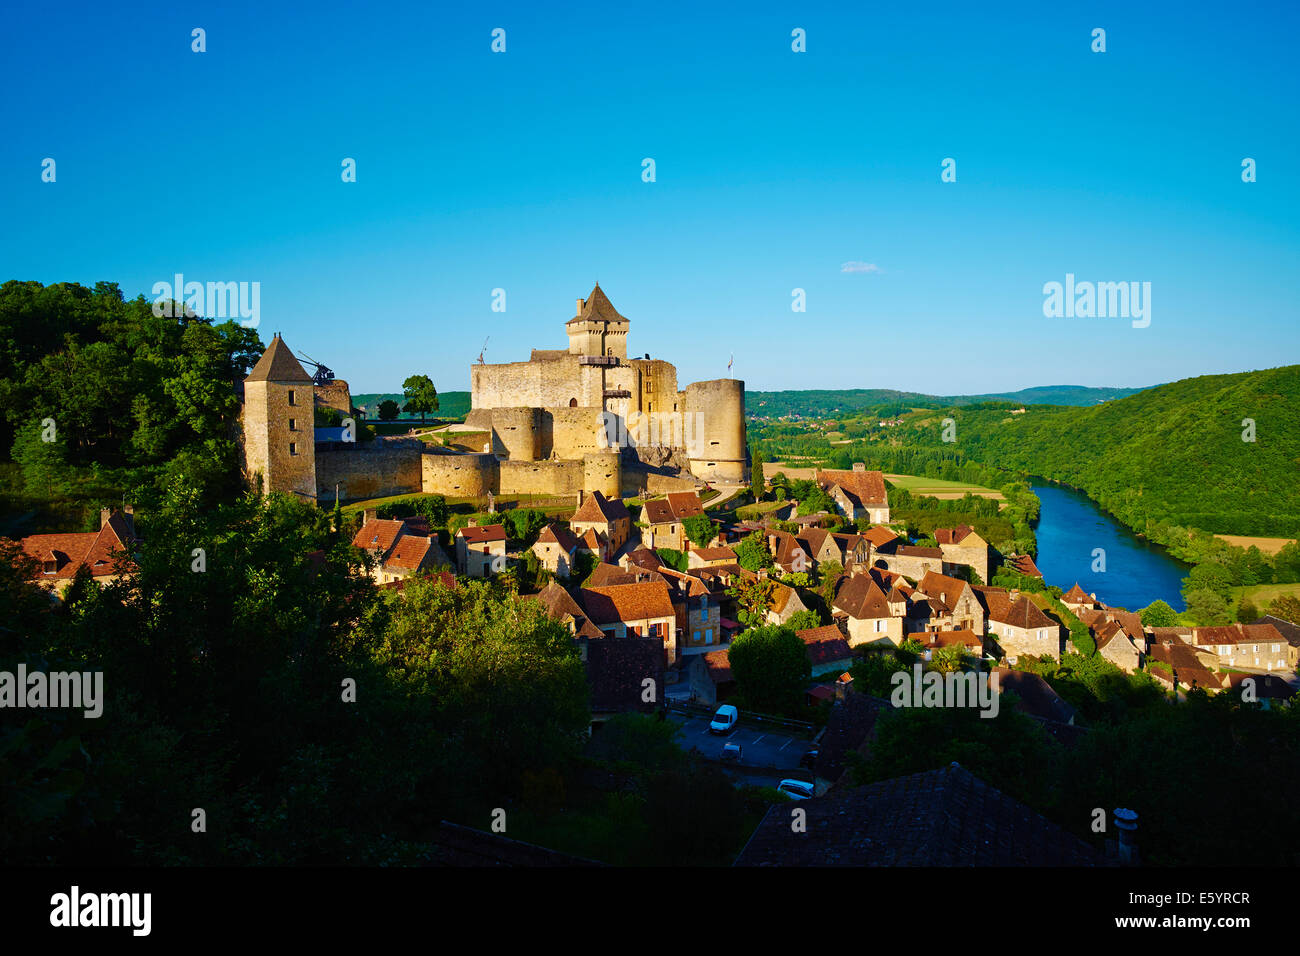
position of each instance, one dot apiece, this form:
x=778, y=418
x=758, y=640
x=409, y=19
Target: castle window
x=573, y=403
x=293, y=424
x=291, y=398
x=293, y=448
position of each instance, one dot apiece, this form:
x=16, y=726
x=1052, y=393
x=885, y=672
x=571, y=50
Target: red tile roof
x=825, y=644
x=98, y=550
x=596, y=507
x=863, y=487
x=627, y=602
x=479, y=534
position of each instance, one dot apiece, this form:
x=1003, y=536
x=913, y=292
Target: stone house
x=607, y=518
x=858, y=493
x=828, y=651
x=699, y=613
x=710, y=677
x=398, y=548
x=1119, y=647
x=710, y=557
x=1077, y=599
x=481, y=550
x=915, y=562
x=871, y=615
x=785, y=602
x=1020, y=626
x=663, y=518
x=555, y=548
x=1247, y=646
x=963, y=545
x=957, y=601
x=105, y=554
x=644, y=609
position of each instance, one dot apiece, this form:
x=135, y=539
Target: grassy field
x=937, y=488
x=553, y=505
x=1266, y=545
x=1261, y=594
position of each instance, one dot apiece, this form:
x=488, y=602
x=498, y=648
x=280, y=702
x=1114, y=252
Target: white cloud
x=860, y=267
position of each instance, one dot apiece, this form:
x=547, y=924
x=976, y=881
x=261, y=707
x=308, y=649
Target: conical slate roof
x=598, y=306
x=277, y=364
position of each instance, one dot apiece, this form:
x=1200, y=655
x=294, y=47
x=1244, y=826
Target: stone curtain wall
x=459, y=476
x=376, y=469
x=335, y=395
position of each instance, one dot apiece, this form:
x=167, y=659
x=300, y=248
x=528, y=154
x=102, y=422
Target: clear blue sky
x=523, y=171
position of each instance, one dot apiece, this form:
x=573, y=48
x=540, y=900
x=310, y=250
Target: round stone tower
x=517, y=433
x=715, y=430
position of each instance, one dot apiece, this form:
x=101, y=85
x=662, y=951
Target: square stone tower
x=597, y=329
x=279, y=423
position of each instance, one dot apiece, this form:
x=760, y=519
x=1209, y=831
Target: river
x=1071, y=527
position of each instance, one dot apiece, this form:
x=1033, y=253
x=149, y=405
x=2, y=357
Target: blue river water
x=1071, y=527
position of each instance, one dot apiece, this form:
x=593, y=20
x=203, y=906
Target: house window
x=654, y=630
x=708, y=636
x=697, y=637
x=293, y=448
x=293, y=424
x=292, y=401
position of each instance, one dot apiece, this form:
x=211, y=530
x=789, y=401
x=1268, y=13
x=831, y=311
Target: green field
x=938, y=487
x=1261, y=594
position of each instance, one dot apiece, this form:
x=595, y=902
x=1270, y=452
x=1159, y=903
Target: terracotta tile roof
x=480, y=534
x=942, y=588
x=1021, y=612
x=1093, y=617
x=409, y=552
x=960, y=638
x=946, y=817
x=643, y=557
x=592, y=540
x=718, y=665
x=378, y=534
x=685, y=504
x=617, y=668
x=715, y=554
x=1076, y=595
x=825, y=644
x=862, y=598
x=559, y=535
x=953, y=535
x=97, y=550
x=627, y=602
x=782, y=595
x=560, y=606
x=596, y=507
x=1290, y=632
x=277, y=364
x=912, y=551
x=879, y=536
x=862, y=487
x=606, y=575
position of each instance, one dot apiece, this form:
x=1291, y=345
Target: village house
x=858, y=493
x=959, y=607
x=105, y=554
x=555, y=548
x=710, y=557
x=1076, y=599
x=664, y=519
x=1023, y=564
x=784, y=604
x=481, y=550
x=962, y=545
x=710, y=677
x=1019, y=625
x=822, y=547
x=699, y=613
x=644, y=609
x=397, y=548
x=870, y=615
x=617, y=672
x=1118, y=646
x=788, y=553
x=1247, y=646
x=1182, y=667
x=560, y=606
x=968, y=641
x=606, y=518
x=1037, y=698
x=915, y=562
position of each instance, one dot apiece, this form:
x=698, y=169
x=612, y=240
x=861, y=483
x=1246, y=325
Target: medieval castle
x=585, y=418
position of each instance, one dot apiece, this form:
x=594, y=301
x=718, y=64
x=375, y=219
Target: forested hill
x=1172, y=455
x=817, y=403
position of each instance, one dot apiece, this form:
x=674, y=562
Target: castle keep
x=585, y=418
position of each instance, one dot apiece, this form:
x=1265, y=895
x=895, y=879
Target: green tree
x=752, y=553
x=757, y=459
x=1159, y=614
x=1207, y=608
x=700, y=530
x=421, y=397
x=388, y=410
x=1285, y=606
x=753, y=598
x=804, y=620
x=771, y=668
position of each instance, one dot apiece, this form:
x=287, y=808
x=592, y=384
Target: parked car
x=731, y=752
x=809, y=760
x=724, y=721
x=796, y=789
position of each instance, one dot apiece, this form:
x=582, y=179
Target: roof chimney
x=104, y=515
x=859, y=466
x=581, y=495
x=1126, y=824
x=581, y=303
x=372, y=514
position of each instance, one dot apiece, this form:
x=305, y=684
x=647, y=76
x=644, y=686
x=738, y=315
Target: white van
x=724, y=721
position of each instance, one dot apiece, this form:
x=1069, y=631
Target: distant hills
x=820, y=403
x=450, y=404
x=1217, y=452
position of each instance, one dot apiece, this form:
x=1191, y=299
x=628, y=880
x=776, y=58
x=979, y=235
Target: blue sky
x=522, y=171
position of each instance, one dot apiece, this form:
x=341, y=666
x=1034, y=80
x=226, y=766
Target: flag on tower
x=729, y=364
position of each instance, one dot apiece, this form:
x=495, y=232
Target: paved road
x=759, y=748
